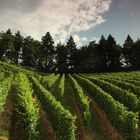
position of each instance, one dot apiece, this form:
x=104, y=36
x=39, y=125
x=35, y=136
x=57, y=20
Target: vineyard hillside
x=50, y=106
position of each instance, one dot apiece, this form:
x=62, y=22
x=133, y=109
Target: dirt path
x=5, y=117
x=46, y=126
x=69, y=93
x=17, y=131
x=10, y=120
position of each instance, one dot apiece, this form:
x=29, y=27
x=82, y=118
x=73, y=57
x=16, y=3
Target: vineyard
x=38, y=106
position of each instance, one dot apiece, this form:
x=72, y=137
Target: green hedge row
x=27, y=107
x=126, y=122
x=83, y=101
x=61, y=86
x=4, y=89
x=127, y=98
x=125, y=85
x=62, y=120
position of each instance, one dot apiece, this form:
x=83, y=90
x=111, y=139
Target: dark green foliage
x=113, y=54
x=30, y=52
x=102, y=51
x=18, y=46
x=7, y=46
x=127, y=50
x=61, y=58
x=47, y=53
x=71, y=56
x=45, y=56
x=136, y=55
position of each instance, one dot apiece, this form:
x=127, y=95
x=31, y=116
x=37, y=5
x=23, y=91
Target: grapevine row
x=4, y=89
x=62, y=120
x=125, y=97
x=27, y=107
x=124, y=121
x=125, y=85
x=49, y=80
x=131, y=81
x=61, y=86
x=119, y=77
x=83, y=101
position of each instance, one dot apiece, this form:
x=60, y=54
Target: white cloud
x=76, y=39
x=61, y=17
x=81, y=41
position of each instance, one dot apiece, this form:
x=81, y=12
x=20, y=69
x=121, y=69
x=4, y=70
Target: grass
x=4, y=129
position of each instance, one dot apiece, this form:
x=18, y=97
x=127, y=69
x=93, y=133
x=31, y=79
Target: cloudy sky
x=86, y=20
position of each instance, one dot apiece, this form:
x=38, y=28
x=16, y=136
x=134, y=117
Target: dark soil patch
x=46, y=126
x=5, y=118
x=81, y=133
x=17, y=131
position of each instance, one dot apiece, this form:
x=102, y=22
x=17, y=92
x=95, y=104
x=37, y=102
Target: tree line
x=45, y=56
